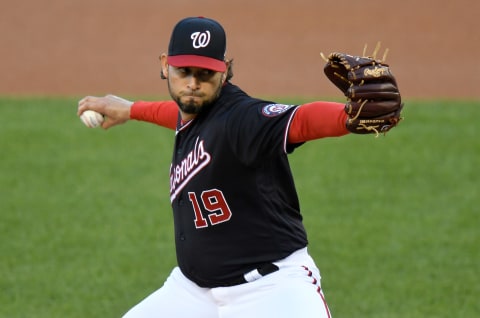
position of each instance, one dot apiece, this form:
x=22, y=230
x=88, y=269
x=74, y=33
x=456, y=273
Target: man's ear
x=164, y=64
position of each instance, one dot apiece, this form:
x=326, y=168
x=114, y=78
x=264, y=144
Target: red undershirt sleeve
x=317, y=120
x=163, y=113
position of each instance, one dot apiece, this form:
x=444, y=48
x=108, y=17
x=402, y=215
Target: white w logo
x=200, y=39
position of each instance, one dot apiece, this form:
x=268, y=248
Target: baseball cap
x=198, y=42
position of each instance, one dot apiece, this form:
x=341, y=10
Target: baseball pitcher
x=240, y=242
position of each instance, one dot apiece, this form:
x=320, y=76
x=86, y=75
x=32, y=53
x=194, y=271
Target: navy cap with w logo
x=198, y=42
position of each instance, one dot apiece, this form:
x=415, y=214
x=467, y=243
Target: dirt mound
x=104, y=46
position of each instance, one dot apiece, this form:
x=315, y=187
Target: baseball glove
x=373, y=103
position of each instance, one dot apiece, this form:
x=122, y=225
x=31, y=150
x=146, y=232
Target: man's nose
x=193, y=82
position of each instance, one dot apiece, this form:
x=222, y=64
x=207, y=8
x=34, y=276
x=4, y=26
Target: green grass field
x=86, y=228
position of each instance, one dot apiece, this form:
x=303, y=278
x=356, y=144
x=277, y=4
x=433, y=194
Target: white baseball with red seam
x=91, y=118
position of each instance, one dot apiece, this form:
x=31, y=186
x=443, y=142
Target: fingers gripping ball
x=374, y=103
x=91, y=118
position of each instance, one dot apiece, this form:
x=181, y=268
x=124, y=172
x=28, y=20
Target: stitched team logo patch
x=273, y=110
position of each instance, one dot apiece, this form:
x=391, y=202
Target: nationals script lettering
x=187, y=168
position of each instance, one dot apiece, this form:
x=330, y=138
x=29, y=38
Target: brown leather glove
x=373, y=103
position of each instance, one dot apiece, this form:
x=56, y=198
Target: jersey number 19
x=214, y=202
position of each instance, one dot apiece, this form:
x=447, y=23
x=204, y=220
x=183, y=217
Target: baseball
x=91, y=118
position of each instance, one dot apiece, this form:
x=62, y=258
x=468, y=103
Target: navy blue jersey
x=234, y=200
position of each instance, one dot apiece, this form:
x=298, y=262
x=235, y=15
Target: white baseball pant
x=292, y=291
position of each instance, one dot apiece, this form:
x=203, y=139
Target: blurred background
x=64, y=47
x=85, y=218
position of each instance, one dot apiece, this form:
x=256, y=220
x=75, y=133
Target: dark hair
x=229, y=69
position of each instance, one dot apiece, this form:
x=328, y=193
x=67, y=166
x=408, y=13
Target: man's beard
x=190, y=107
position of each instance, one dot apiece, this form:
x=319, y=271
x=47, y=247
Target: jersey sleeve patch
x=272, y=110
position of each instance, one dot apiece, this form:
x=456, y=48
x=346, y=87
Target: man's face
x=193, y=88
